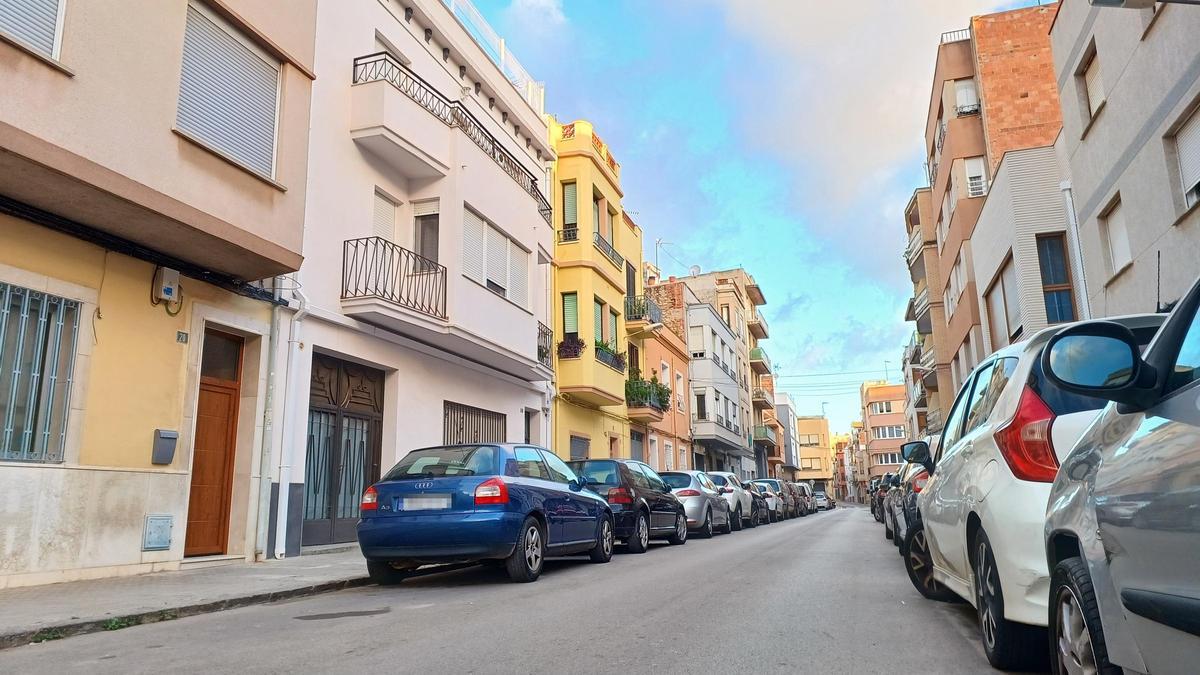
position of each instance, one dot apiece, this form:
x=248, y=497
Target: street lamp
x=1138, y=4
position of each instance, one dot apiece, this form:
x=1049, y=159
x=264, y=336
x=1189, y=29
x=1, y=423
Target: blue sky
x=780, y=135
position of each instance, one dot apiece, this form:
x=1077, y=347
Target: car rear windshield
x=676, y=480
x=601, y=471
x=772, y=484
x=455, y=460
x=718, y=479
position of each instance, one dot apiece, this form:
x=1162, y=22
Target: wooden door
x=215, y=443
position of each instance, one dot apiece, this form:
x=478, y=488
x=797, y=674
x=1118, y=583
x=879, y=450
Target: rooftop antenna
x=823, y=404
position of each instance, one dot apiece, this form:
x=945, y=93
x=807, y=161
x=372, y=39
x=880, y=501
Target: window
x=966, y=98
x=988, y=386
x=701, y=407
x=384, y=218
x=38, y=333
x=1187, y=363
x=725, y=314
x=1116, y=237
x=887, y=458
x=952, y=431
x=809, y=439
x=468, y=424
x=664, y=373
x=530, y=465
x=612, y=325
x=580, y=447
x=888, y=432
x=570, y=308
x=228, y=92
x=570, y=211
x=494, y=260
x=559, y=471
x=1003, y=307
x=810, y=463
x=655, y=480
x=670, y=453
x=653, y=455
x=1187, y=148
x=1056, y=278
x=598, y=319
x=634, y=359
x=1093, y=85
x=425, y=235
x=34, y=23
x=679, y=392
x=881, y=407
x=976, y=176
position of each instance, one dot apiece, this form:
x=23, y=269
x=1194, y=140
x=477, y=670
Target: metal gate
x=467, y=424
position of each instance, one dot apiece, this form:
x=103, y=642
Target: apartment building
x=425, y=288
x=719, y=442
x=152, y=171
x=601, y=317
x=785, y=414
x=842, y=444
x=857, y=476
x=883, y=429
x=993, y=91
x=1129, y=81
x=815, y=450
x=926, y=374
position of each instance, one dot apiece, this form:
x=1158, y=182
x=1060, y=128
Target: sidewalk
x=38, y=613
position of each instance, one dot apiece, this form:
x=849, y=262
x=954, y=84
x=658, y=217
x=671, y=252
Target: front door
x=213, y=451
x=345, y=421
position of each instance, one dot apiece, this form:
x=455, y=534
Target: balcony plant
x=607, y=353
x=571, y=347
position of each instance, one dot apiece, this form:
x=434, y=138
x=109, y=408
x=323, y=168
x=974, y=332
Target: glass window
x=1187, y=363
x=559, y=471
x=598, y=471
x=988, y=387
x=1116, y=236
x=952, y=431
x=635, y=473
x=458, y=460
x=427, y=237
x=677, y=481
x=656, y=481
x=222, y=358
x=530, y=465
x=717, y=479
x=1056, y=278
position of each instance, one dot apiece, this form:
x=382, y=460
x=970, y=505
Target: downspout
x=289, y=421
x=1076, y=249
x=268, y=438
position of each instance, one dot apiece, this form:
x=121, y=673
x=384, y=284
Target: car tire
x=1071, y=585
x=728, y=527
x=754, y=516
x=737, y=519
x=919, y=565
x=603, y=550
x=706, y=530
x=529, y=555
x=382, y=573
x=887, y=528
x=1007, y=644
x=681, y=531
x=639, y=541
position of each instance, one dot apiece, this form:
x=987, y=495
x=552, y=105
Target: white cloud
x=536, y=16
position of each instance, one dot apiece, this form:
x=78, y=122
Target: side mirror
x=725, y=490
x=1100, y=359
x=918, y=453
x=577, y=484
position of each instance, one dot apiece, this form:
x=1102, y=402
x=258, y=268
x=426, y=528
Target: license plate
x=426, y=503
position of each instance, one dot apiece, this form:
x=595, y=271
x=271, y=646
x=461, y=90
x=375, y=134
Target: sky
x=783, y=136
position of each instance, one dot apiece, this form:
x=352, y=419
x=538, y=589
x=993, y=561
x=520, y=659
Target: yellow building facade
x=598, y=252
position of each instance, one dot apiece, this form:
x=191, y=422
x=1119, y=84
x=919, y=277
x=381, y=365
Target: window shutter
x=33, y=22
x=570, y=313
x=228, y=92
x=518, y=275
x=964, y=93
x=497, y=259
x=570, y=204
x=425, y=208
x=474, y=245
x=1094, y=85
x=385, y=217
x=596, y=216
x=1118, y=239
x=598, y=320
x=612, y=326
x=976, y=179
x=1187, y=145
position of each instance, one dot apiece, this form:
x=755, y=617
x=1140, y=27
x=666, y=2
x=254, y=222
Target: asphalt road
x=822, y=594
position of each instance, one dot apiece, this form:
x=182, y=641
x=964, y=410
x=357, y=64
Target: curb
x=71, y=629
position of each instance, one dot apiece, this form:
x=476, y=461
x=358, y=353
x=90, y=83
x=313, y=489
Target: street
x=824, y=594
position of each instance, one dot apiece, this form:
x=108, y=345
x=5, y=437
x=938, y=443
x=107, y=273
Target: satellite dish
x=694, y=270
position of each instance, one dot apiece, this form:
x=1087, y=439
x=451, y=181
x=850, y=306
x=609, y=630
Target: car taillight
x=688, y=493
x=920, y=480
x=491, y=491
x=370, y=500
x=1025, y=442
x=620, y=495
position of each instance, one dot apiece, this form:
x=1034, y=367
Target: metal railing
x=373, y=267
x=608, y=250
x=382, y=66
x=956, y=35
x=968, y=109
x=765, y=433
x=568, y=234
x=642, y=308
x=611, y=359
x=646, y=394
x=545, y=343
x=763, y=395
x=941, y=135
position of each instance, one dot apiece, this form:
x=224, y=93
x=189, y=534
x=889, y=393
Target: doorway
x=214, y=446
x=345, y=424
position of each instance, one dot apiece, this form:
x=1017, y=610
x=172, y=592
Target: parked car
x=463, y=503
x=881, y=490
x=642, y=504
x=905, y=514
x=822, y=501
x=797, y=495
x=872, y=487
x=984, y=507
x=807, y=499
x=773, y=498
x=1122, y=529
x=759, y=510
x=784, y=502
x=890, y=501
x=740, y=501
x=703, y=502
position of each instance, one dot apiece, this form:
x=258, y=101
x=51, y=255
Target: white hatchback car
x=984, y=507
x=731, y=489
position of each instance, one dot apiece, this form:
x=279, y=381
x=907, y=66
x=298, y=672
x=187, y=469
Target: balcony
x=373, y=267
x=592, y=380
x=569, y=234
x=640, y=311
x=647, y=401
x=758, y=326
x=967, y=109
x=417, y=143
x=755, y=292
x=709, y=429
x=759, y=361
x=933, y=421
x=607, y=249
x=707, y=367
x=762, y=399
x=912, y=253
x=928, y=357
x=545, y=343
x=956, y=35
x=766, y=435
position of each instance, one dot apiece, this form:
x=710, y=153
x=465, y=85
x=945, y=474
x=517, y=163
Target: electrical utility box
x=166, y=284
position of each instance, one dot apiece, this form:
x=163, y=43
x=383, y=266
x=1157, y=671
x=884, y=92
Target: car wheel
x=603, y=551
x=919, y=565
x=737, y=519
x=680, y=536
x=754, y=516
x=706, y=530
x=727, y=528
x=639, y=542
x=887, y=528
x=1076, y=629
x=525, y=563
x=1007, y=644
x=382, y=573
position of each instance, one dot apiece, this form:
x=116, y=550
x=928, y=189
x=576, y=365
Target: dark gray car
x=1123, y=520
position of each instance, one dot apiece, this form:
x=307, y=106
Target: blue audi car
x=514, y=504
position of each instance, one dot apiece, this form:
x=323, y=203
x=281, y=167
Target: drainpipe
x=289, y=422
x=1076, y=248
x=268, y=438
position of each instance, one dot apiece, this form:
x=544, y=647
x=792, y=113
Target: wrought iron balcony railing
x=373, y=267
x=568, y=234
x=382, y=66
x=968, y=109
x=608, y=250
x=642, y=308
x=545, y=343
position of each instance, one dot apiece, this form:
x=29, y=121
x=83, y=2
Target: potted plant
x=571, y=347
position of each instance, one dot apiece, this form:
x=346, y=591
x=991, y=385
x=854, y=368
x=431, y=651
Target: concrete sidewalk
x=38, y=613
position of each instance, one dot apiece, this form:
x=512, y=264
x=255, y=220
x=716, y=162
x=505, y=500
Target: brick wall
x=669, y=297
x=1015, y=69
